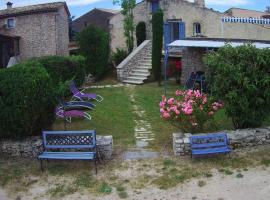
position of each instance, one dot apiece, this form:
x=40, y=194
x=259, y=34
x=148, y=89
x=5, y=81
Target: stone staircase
x=136, y=68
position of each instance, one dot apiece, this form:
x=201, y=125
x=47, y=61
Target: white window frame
x=14, y=25
x=195, y=29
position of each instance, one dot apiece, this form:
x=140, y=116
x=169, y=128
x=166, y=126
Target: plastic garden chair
x=71, y=105
x=67, y=115
x=77, y=94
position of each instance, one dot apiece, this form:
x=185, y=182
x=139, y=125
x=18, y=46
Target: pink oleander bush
x=189, y=110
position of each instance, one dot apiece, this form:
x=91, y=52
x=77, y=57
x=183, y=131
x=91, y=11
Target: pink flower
x=210, y=113
x=162, y=110
x=177, y=112
x=161, y=104
x=215, y=108
x=178, y=92
x=171, y=101
x=204, y=99
x=197, y=94
x=163, y=98
x=166, y=115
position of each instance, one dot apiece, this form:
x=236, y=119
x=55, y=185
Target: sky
x=80, y=7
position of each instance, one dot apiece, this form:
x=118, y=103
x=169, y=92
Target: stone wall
x=41, y=34
x=31, y=147
x=191, y=62
x=132, y=61
x=237, y=139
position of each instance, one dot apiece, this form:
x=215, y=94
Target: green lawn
x=114, y=116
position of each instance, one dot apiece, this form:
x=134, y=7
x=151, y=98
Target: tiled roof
x=109, y=10
x=239, y=12
x=39, y=8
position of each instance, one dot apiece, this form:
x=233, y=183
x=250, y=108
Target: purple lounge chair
x=80, y=95
x=71, y=113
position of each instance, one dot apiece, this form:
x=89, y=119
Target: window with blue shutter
x=155, y=5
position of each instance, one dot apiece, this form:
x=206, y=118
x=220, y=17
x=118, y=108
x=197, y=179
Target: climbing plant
x=140, y=33
x=127, y=10
x=157, y=29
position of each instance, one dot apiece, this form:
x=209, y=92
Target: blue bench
x=209, y=144
x=63, y=145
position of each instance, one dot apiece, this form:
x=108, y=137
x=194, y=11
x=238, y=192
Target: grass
x=60, y=178
x=114, y=116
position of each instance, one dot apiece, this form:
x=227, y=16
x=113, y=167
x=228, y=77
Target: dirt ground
x=254, y=185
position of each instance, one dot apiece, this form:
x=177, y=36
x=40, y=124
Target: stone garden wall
x=31, y=147
x=237, y=139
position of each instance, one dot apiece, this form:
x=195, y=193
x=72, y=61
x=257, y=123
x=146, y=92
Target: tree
x=157, y=29
x=140, y=33
x=240, y=78
x=94, y=46
x=127, y=10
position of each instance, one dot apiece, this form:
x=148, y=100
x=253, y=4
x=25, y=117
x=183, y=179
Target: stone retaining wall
x=237, y=139
x=31, y=147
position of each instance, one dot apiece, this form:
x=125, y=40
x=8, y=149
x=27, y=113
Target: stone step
x=144, y=67
x=143, y=71
x=135, y=73
x=137, y=77
x=136, y=82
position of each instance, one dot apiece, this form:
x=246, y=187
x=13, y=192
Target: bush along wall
x=27, y=100
x=94, y=46
x=140, y=32
x=240, y=78
x=63, y=69
x=157, y=29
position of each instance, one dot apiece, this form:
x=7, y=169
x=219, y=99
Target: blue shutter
x=166, y=34
x=182, y=30
x=155, y=5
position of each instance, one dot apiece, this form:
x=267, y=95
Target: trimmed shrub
x=140, y=33
x=240, y=78
x=94, y=46
x=27, y=100
x=157, y=29
x=119, y=56
x=62, y=69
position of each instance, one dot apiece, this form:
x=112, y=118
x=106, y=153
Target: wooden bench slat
x=68, y=155
x=211, y=151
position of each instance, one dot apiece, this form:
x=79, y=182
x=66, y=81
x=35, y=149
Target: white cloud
x=17, y=3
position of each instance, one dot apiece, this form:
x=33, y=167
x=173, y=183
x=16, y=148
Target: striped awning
x=245, y=20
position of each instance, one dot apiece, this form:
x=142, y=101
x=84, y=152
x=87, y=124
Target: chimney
x=268, y=9
x=200, y=3
x=9, y=5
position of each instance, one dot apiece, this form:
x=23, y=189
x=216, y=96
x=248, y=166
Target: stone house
x=98, y=17
x=33, y=31
x=186, y=20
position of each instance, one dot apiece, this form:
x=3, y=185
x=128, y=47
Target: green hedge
x=157, y=29
x=27, y=100
x=240, y=77
x=140, y=32
x=94, y=46
x=64, y=68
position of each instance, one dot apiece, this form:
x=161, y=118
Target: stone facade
x=41, y=33
x=32, y=147
x=190, y=13
x=191, y=62
x=237, y=139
